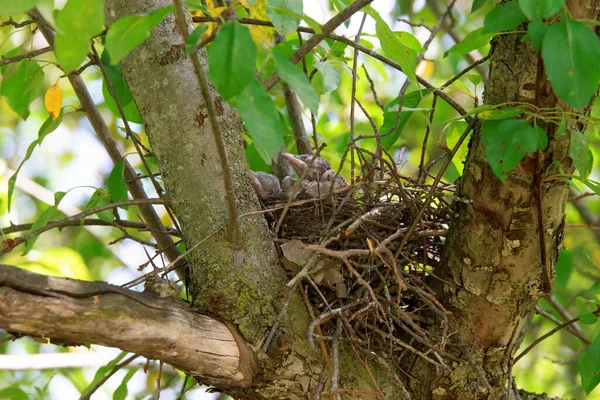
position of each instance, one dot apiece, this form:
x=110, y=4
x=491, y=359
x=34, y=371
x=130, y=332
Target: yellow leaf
x=53, y=100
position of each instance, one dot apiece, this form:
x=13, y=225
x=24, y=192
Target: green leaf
x=536, y=30
x=539, y=9
x=590, y=366
x=76, y=24
x=22, y=87
x=409, y=40
x=9, y=54
x=474, y=40
x=127, y=32
x=116, y=182
x=13, y=393
x=47, y=127
x=70, y=51
x=503, y=17
x=582, y=156
x=562, y=128
x=501, y=113
x=393, y=47
x=38, y=223
x=595, y=186
x=564, y=267
x=571, y=53
x=194, y=38
x=474, y=78
x=411, y=100
x=313, y=24
x=297, y=80
x=506, y=142
x=120, y=392
x=588, y=319
x=261, y=120
x=477, y=4
x=330, y=74
x=122, y=91
x=100, y=198
x=12, y=7
x=285, y=15
x=542, y=138
x=231, y=59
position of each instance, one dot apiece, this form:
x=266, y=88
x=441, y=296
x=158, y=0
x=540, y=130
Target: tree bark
x=507, y=234
x=74, y=312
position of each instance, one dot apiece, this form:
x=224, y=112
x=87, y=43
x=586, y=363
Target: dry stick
x=88, y=395
x=158, y=389
x=112, y=148
x=25, y=56
x=311, y=43
x=372, y=85
x=216, y=129
x=363, y=49
x=75, y=218
x=436, y=181
x=543, y=337
x=353, y=97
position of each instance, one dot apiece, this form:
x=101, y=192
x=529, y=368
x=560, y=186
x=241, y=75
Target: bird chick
x=311, y=188
x=314, y=166
x=267, y=186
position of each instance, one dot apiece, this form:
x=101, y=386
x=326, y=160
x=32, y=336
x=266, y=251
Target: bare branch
x=74, y=312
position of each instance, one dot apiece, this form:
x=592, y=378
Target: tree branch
x=74, y=312
x=311, y=43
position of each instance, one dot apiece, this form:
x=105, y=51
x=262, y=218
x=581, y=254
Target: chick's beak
x=298, y=165
x=255, y=181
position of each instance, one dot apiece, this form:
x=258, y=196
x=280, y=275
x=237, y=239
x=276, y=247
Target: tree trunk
x=507, y=236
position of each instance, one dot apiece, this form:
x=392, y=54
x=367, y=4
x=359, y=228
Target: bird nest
x=364, y=257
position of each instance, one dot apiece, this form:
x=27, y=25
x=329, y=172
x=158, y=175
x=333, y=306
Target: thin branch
x=75, y=218
x=569, y=328
x=363, y=49
x=87, y=222
x=547, y=335
x=113, y=370
x=353, y=98
x=25, y=56
x=311, y=43
x=214, y=122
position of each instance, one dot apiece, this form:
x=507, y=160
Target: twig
x=216, y=129
x=74, y=218
x=547, y=335
x=25, y=56
x=363, y=49
x=89, y=393
x=311, y=43
x=353, y=98
x=87, y=222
